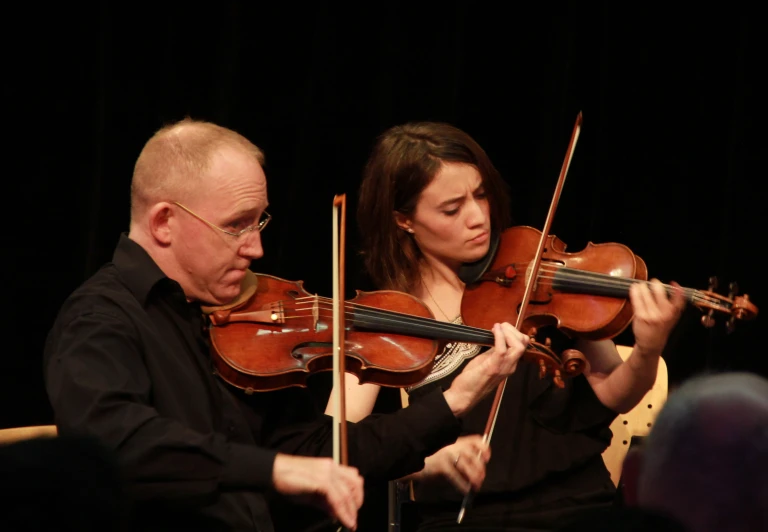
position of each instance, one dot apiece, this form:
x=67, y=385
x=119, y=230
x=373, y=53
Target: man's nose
x=252, y=248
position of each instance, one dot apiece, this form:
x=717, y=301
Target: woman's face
x=451, y=222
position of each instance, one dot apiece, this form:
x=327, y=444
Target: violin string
x=372, y=316
x=429, y=323
x=360, y=312
x=581, y=277
x=487, y=339
x=580, y=280
x=308, y=305
x=588, y=278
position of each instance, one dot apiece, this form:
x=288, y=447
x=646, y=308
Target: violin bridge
x=315, y=313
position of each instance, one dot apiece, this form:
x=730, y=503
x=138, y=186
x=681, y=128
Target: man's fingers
x=346, y=495
x=341, y=509
x=355, y=482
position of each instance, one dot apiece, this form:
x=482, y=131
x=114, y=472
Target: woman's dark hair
x=404, y=160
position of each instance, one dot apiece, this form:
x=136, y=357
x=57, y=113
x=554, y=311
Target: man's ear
x=403, y=222
x=630, y=474
x=159, y=219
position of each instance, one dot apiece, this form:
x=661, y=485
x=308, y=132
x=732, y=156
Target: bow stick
x=530, y=284
x=339, y=410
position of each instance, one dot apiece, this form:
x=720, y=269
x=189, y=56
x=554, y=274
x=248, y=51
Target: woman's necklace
x=435, y=301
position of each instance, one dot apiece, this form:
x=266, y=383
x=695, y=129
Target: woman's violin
x=583, y=294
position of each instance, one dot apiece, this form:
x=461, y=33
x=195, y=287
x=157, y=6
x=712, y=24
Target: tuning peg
x=542, y=368
x=741, y=313
x=707, y=320
x=558, y=379
x=504, y=277
x=733, y=289
x=548, y=342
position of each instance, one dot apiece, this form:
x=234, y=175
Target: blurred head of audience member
x=705, y=460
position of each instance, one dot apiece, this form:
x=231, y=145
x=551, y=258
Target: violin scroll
x=737, y=307
x=568, y=364
x=574, y=362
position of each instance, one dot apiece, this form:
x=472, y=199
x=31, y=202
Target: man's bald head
x=174, y=162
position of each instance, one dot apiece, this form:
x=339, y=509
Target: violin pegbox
x=568, y=364
x=738, y=307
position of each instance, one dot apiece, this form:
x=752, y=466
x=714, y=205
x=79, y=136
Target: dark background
x=669, y=162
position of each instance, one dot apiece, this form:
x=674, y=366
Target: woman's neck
x=441, y=289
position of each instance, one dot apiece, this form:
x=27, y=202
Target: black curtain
x=669, y=160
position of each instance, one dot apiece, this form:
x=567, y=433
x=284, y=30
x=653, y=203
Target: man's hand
x=320, y=482
x=483, y=374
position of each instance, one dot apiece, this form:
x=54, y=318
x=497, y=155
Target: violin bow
x=529, y=287
x=340, y=408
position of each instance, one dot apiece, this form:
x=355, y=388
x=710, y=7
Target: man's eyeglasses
x=262, y=223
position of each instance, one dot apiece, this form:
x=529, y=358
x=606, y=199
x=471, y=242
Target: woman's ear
x=403, y=222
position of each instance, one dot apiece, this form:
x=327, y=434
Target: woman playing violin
x=429, y=200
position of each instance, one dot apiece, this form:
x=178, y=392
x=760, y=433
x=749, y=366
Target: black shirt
x=127, y=361
x=546, y=462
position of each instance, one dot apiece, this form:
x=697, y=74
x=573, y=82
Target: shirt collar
x=139, y=271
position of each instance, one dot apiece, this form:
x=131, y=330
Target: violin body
x=281, y=334
x=582, y=294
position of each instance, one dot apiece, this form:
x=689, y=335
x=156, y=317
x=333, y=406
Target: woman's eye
x=451, y=212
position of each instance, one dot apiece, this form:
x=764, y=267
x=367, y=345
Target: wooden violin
x=583, y=294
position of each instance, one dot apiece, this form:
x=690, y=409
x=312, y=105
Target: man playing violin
x=127, y=359
x=429, y=202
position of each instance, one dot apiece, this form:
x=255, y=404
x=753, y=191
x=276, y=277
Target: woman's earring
x=410, y=230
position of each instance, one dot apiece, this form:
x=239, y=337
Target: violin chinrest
x=247, y=288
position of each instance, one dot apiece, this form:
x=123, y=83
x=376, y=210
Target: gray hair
x=706, y=458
